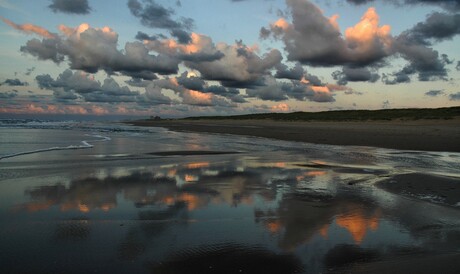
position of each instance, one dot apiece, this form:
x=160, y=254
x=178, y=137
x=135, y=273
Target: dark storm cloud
x=143, y=74
x=295, y=73
x=424, y=60
x=274, y=90
x=182, y=36
x=142, y=36
x=313, y=80
x=414, y=45
x=201, y=57
x=63, y=95
x=454, y=96
x=154, y=15
x=231, y=93
x=402, y=76
x=447, y=4
x=434, y=93
x=70, y=6
x=13, y=82
x=348, y=74
x=437, y=26
x=138, y=82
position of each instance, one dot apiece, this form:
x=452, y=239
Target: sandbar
x=423, y=135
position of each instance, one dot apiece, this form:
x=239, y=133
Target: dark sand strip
x=427, y=135
x=443, y=190
x=190, y=153
x=446, y=264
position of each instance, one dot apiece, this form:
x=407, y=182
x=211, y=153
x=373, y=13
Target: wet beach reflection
x=246, y=214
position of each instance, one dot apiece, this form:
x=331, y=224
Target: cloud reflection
x=292, y=202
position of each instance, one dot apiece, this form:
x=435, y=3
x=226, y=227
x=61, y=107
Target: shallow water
x=150, y=200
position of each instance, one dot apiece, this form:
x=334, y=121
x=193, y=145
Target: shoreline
x=424, y=135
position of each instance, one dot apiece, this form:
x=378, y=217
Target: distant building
x=155, y=118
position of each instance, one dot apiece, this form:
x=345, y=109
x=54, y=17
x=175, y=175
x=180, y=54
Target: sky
x=223, y=57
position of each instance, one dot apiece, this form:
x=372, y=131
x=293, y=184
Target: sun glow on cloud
x=29, y=29
x=364, y=34
x=77, y=31
x=232, y=77
x=283, y=107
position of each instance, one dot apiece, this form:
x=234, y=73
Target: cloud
x=93, y=49
x=274, y=90
x=191, y=82
x=29, y=71
x=437, y=26
x=295, y=73
x=283, y=107
x=349, y=74
x=434, y=93
x=154, y=15
x=110, y=91
x=188, y=96
x=14, y=82
x=316, y=40
x=200, y=48
x=46, y=49
x=182, y=36
x=446, y=4
x=70, y=6
x=454, y=96
x=458, y=65
x=153, y=95
x=231, y=93
x=30, y=29
x=68, y=84
x=239, y=67
x=402, y=76
x=8, y=95
x=422, y=59
x=142, y=36
x=414, y=45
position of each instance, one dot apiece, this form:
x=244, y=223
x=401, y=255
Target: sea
x=108, y=197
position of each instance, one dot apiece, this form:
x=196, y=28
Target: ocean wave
x=83, y=145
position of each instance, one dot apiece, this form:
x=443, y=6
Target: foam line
x=84, y=145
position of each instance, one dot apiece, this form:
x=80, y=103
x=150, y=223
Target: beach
x=426, y=135
x=109, y=197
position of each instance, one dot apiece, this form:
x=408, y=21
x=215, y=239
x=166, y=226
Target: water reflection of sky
x=151, y=212
x=289, y=208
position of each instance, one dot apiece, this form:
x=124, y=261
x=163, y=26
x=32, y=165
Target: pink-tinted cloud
x=314, y=39
x=282, y=107
x=29, y=29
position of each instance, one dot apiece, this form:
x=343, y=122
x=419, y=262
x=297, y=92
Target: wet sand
x=148, y=202
x=437, y=189
x=426, y=135
x=446, y=263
